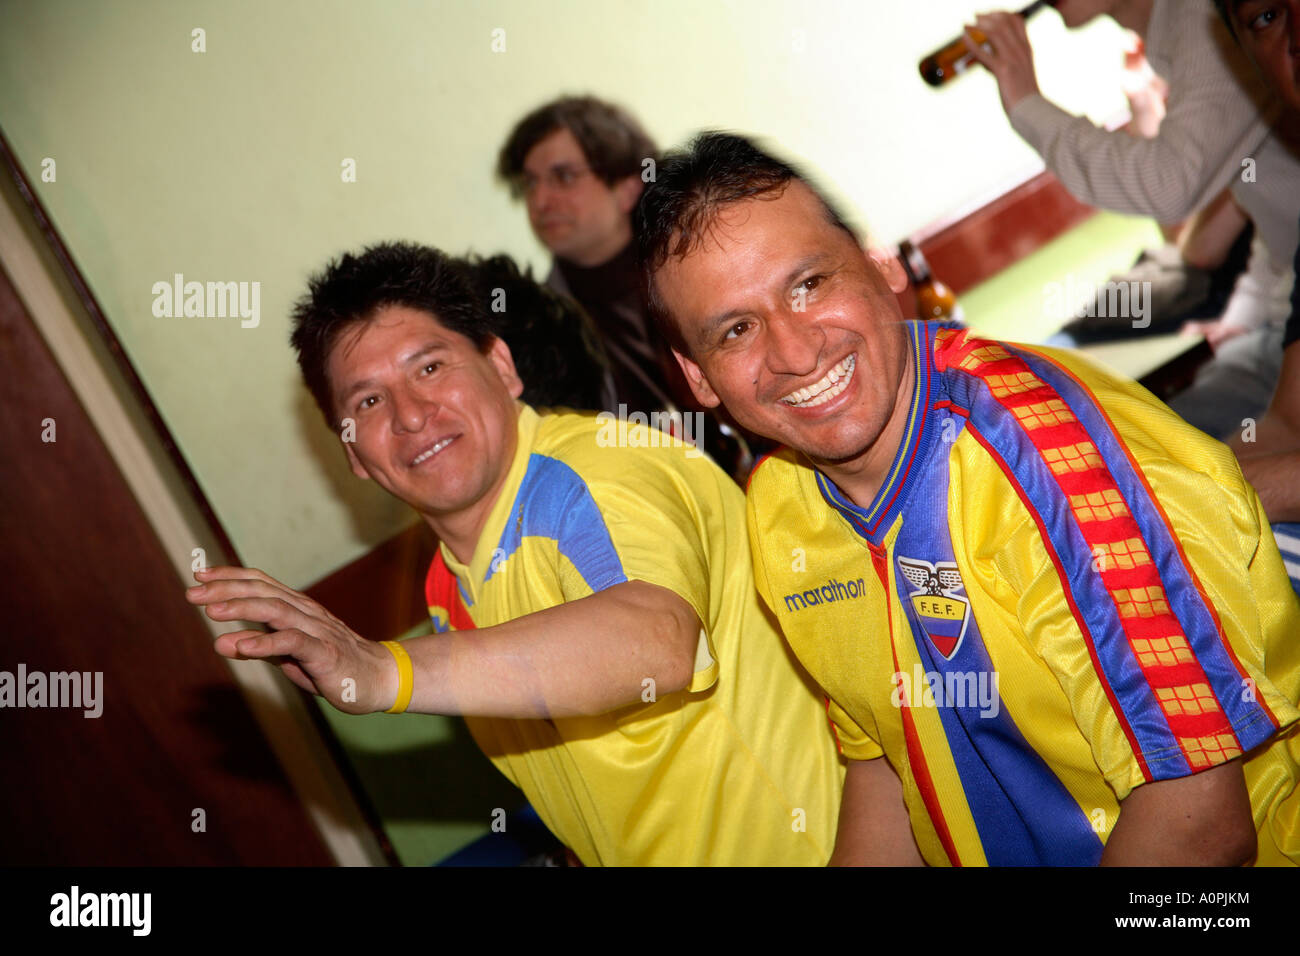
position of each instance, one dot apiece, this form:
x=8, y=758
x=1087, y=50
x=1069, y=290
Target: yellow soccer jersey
x=1061, y=592
x=740, y=768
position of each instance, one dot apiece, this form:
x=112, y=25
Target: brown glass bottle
x=934, y=300
x=953, y=59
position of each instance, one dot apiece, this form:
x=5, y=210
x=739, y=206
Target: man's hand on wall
x=315, y=650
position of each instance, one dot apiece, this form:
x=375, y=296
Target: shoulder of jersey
x=779, y=466
x=576, y=439
x=1144, y=424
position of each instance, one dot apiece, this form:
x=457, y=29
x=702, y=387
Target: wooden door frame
x=66, y=313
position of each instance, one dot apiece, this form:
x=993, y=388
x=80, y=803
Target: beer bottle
x=934, y=300
x=953, y=59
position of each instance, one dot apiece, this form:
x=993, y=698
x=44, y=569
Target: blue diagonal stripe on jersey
x=1119, y=668
x=554, y=502
x=1024, y=814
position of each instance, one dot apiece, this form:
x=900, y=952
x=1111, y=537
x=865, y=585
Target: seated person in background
x=556, y=349
x=1070, y=635
x=596, y=617
x=1218, y=115
x=1270, y=456
x=577, y=163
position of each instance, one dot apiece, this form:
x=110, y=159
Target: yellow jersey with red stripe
x=738, y=769
x=1061, y=592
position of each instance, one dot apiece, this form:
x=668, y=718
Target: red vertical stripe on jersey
x=839, y=745
x=442, y=590
x=915, y=755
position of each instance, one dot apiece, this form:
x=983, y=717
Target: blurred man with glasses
x=577, y=163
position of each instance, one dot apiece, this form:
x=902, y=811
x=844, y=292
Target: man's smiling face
x=792, y=326
x=435, y=417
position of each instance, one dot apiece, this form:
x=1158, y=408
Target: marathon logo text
x=832, y=590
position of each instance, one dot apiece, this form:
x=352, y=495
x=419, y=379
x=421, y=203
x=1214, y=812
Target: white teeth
x=423, y=456
x=835, y=382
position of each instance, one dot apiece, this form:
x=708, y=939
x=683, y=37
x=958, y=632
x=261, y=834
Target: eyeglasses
x=561, y=177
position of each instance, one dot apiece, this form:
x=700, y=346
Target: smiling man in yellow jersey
x=598, y=622
x=1054, y=608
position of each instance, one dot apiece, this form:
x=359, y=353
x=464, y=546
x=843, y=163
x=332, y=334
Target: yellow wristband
x=405, y=677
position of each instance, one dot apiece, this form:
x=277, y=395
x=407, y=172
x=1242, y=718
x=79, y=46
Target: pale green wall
x=226, y=166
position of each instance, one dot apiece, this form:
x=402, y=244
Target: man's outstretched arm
x=874, y=828
x=585, y=657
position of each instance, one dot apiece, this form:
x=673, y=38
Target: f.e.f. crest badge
x=942, y=613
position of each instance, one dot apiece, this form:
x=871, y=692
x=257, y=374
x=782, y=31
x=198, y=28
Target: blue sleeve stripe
x=554, y=503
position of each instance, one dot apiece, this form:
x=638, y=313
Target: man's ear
x=501, y=359
x=354, y=463
x=890, y=267
x=700, y=387
x=628, y=190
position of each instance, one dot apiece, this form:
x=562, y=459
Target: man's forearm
x=1208, y=236
x=630, y=643
x=1276, y=478
x=1201, y=820
x=1167, y=178
x=874, y=828
x=1271, y=459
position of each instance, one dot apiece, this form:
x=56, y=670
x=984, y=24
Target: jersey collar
x=874, y=521
x=472, y=575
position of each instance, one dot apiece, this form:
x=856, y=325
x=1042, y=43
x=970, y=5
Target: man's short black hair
x=615, y=144
x=692, y=185
x=553, y=342
x=555, y=345
x=354, y=287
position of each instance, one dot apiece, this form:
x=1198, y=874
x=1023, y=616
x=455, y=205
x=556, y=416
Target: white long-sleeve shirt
x=1221, y=130
x=1218, y=113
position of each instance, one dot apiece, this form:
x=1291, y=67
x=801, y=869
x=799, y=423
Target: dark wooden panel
x=85, y=586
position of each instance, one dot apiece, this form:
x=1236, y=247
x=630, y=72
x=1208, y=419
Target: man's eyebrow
x=562, y=164
x=712, y=326
x=421, y=353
